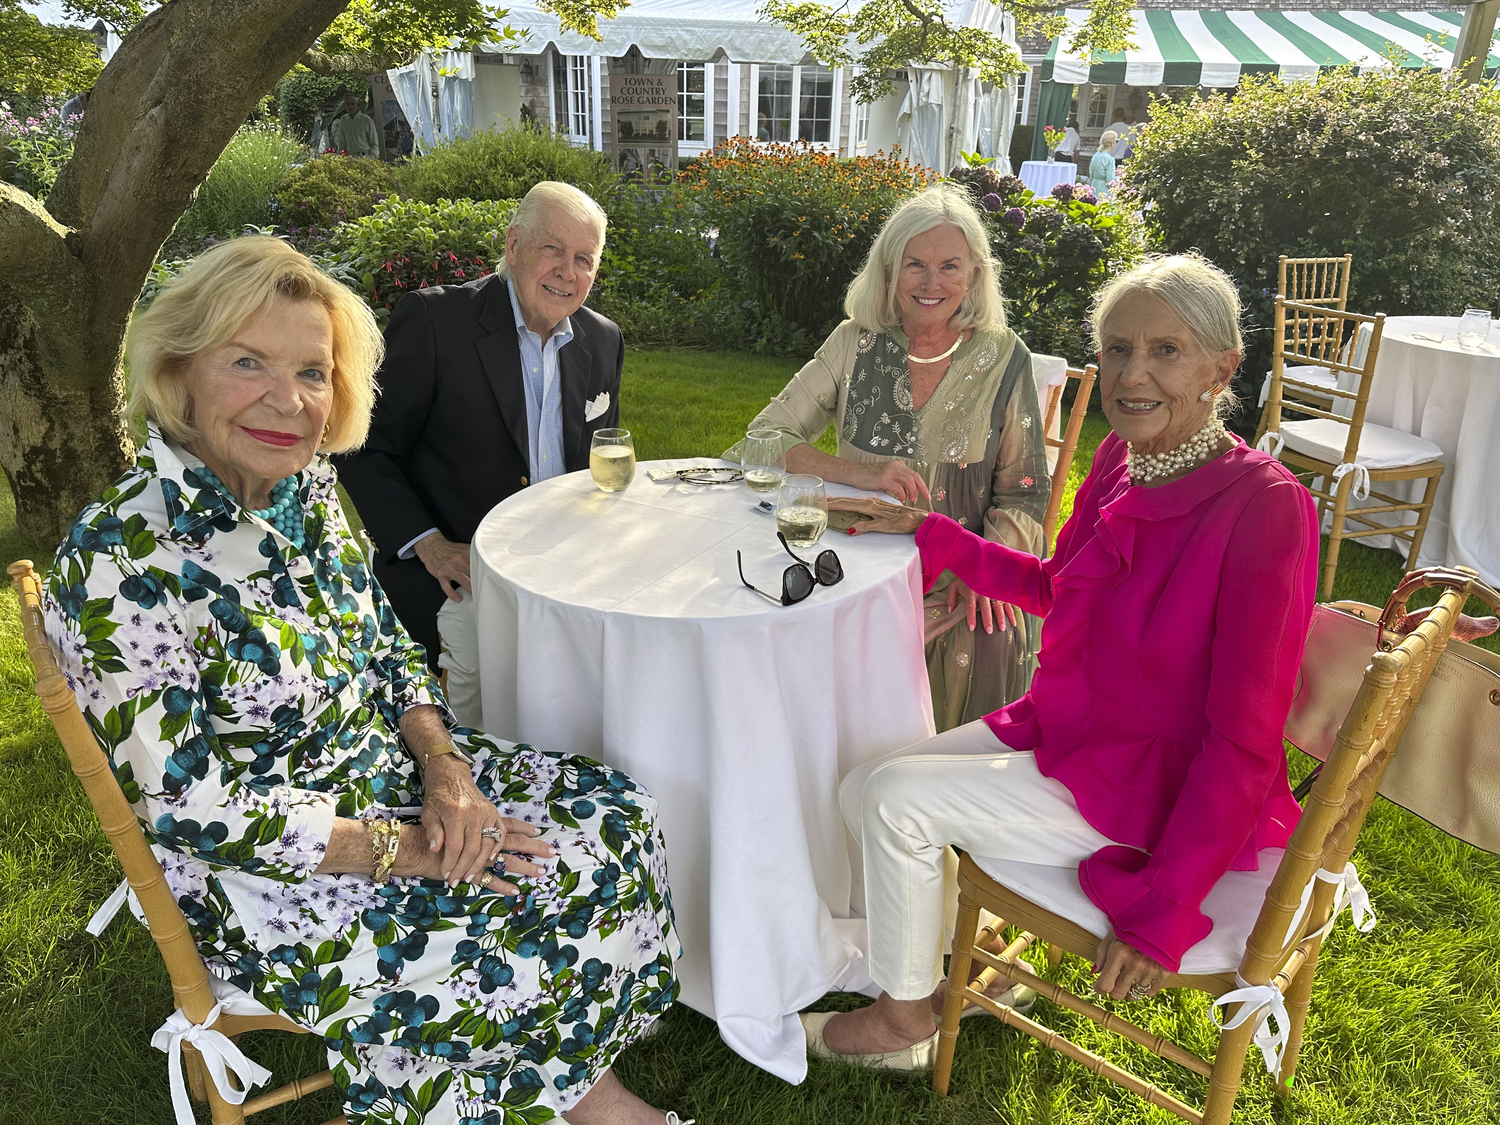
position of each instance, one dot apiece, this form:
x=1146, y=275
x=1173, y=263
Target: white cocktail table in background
x=1449, y=395
x=615, y=626
x=1041, y=176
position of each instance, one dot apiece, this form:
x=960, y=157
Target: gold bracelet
x=385, y=842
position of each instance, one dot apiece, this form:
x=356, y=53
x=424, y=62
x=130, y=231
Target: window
x=1098, y=106
x=1023, y=96
x=815, y=104
x=572, y=97
x=691, y=115
x=862, y=123
x=774, y=104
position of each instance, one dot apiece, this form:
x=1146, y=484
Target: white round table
x=1041, y=176
x=616, y=626
x=1449, y=395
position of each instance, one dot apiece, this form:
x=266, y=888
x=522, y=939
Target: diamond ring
x=495, y=834
x=1137, y=991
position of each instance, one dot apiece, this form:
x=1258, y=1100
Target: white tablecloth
x=1451, y=396
x=1041, y=176
x=615, y=626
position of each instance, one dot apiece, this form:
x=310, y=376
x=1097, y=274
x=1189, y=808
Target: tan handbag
x=1447, y=768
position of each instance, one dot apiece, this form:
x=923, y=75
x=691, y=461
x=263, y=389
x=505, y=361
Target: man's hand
x=446, y=561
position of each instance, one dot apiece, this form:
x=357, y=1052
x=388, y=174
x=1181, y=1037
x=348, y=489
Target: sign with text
x=643, y=109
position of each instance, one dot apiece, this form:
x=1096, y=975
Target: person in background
x=404, y=139
x=316, y=811
x=486, y=387
x=935, y=404
x=354, y=132
x=75, y=105
x=1068, y=150
x=1102, y=166
x=1125, y=141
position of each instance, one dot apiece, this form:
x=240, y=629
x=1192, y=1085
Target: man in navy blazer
x=486, y=388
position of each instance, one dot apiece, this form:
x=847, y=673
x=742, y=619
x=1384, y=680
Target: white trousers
x=964, y=788
x=458, y=632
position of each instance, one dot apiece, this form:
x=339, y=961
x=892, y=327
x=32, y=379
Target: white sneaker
x=673, y=1119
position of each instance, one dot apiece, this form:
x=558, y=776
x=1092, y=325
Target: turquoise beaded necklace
x=285, y=512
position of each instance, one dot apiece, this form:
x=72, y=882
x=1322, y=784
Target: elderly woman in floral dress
x=936, y=405
x=475, y=928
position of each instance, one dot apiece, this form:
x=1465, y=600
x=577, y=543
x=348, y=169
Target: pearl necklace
x=936, y=358
x=285, y=512
x=1147, y=467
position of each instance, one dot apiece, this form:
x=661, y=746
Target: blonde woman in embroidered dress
x=935, y=405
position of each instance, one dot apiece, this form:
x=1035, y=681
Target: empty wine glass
x=1473, y=327
x=802, y=509
x=762, y=460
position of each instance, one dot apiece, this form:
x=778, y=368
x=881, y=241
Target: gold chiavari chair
x=1310, y=281
x=1268, y=935
x=1067, y=444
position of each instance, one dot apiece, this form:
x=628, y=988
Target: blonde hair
x=205, y=305
x=576, y=204
x=871, y=300
x=1108, y=140
x=1197, y=291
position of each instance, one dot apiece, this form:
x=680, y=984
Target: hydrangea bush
x=1055, y=251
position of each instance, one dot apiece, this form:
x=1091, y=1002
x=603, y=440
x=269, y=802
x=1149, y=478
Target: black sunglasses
x=799, y=580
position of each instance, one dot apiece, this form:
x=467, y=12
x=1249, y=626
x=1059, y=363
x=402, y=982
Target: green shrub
x=794, y=223
x=35, y=143
x=1400, y=168
x=301, y=93
x=1020, y=145
x=244, y=180
x=506, y=164
x=1055, y=251
x=333, y=189
x=406, y=244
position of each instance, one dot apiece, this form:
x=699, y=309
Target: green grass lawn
x=1405, y=1025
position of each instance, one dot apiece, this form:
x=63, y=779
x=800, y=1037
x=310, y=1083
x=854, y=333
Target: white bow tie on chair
x=1264, y=1001
x=220, y=1055
x=1271, y=442
x=1361, y=490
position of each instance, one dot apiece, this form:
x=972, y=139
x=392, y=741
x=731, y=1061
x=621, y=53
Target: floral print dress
x=978, y=444
x=247, y=693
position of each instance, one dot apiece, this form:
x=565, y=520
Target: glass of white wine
x=612, y=459
x=762, y=460
x=1473, y=327
x=802, y=509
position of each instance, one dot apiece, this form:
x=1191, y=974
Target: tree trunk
x=165, y=107
x=62, y=439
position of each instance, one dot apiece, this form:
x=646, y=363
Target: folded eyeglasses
x=799, y=580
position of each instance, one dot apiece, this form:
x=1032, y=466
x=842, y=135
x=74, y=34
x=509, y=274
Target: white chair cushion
x=1380, y=447
x=1233, y=905
x=1319, y=375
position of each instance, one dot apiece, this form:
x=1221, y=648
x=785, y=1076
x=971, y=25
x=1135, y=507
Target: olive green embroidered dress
x=978, y=444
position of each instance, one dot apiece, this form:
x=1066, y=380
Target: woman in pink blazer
x=1148, y=752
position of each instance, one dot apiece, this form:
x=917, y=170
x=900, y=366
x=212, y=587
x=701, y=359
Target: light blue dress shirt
x=539, y=374
x=543, y=393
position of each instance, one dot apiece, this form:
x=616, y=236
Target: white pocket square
x=597, y=407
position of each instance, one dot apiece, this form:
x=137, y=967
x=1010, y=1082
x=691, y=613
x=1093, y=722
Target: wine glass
x=802, y=509
x=612, y=459
x=1473, y=327
x=763, y=462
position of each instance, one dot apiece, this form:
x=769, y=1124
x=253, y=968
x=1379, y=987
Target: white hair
x=1201, y=295
x=871, y=300
x=564, y=198
x=1108, y=140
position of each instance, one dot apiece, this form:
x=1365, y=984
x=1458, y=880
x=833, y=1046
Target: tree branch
x=320, y=62
x=43, y=273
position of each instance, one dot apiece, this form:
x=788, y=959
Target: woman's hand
x=417, y=860
x=894, y=477
x=890, y=518
x=990, y=611
x=455, y=815
x=1122, y=967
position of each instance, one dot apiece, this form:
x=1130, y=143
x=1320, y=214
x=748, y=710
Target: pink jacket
x=1175, y=619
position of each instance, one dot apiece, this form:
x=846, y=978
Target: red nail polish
x=849, y=531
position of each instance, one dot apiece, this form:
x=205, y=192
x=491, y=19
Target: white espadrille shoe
x=673, y=1119
x=1017, y=997
x=919, y=1056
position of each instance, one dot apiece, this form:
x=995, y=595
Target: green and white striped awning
x=1175, y=48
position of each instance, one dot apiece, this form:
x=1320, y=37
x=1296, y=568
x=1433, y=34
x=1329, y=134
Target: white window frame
x=582, y=73
x=1103, y=122
x=697, y=148
x=861, y=126
x=733, y=126
x=1023, y=95
x=836, y=110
